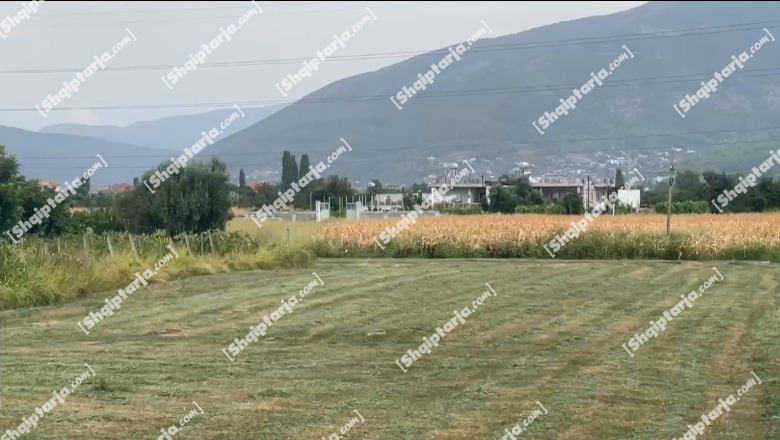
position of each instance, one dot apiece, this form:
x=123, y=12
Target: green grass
x=553, y=334
x=275, y=232
x=29, y=276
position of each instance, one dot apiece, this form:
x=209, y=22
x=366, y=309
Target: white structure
x=629, y=197
x=322, y=211
x=354, y=209
x=388, y=201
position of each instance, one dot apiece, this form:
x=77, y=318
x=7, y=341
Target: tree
x=301, y=199
x=573, y=204
x=20, y=198
x=241, y=179
x=506, y=198
x=765, y=195
x=334, y=186
x=287, y=174
x=85, y=186
x=688, y=186
x=503, y=200
x=82, y=196
x=619, y=180
x=265, y=194
x=304, y=168
x=194, y=200
x=526, y=193
x=293, y=171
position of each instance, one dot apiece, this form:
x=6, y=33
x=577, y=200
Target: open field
x=553, y=334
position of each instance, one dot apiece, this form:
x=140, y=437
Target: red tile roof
x=119, y=187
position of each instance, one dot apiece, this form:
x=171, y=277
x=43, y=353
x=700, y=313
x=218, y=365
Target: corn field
x=704, y=234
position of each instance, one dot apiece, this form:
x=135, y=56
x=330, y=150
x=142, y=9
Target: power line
x=220, y=17
x=175, y=10
x=771, y=71
x=381, y=55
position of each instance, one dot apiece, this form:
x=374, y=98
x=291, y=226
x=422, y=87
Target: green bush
x=462, y=210
x=548, y=208
x=684, y=207
x=98, y=221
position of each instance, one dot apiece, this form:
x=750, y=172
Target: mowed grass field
x=553, y=334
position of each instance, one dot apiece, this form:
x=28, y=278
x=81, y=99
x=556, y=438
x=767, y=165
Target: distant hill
x=483, y=106
x=175, y=132
x=63, y=157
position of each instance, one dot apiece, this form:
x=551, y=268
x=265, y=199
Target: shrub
x=548, y=208
x=461, y=210
x=684, y=207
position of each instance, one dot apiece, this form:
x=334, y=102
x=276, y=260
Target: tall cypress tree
x=287, y=174
x=241, y=179
x=304, y=165
x=303, y=198
x=293, y=170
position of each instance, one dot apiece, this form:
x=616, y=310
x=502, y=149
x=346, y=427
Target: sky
x=62, y=38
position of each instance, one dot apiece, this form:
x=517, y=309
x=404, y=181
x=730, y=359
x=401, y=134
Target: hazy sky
x=65, y=36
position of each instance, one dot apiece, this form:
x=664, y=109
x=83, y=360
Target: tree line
x=196, y=199
x=694, y=192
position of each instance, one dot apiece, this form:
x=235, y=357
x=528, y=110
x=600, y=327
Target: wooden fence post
x=132, y=246
x=110, y=247
x=59, y=250
x=86, y=246
x=211, y=242
x=288, y=237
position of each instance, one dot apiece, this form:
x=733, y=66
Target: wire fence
x=111, y=243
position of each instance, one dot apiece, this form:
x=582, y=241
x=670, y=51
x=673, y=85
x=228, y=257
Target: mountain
x=173, y=132
x=63, y=157
x=483, y=106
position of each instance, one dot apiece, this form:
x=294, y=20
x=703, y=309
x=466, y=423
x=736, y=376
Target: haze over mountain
x=172, y=132
x=483, y=106
x=63, y=157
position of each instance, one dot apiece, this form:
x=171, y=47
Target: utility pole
x=669, y=201
x=587, y=195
